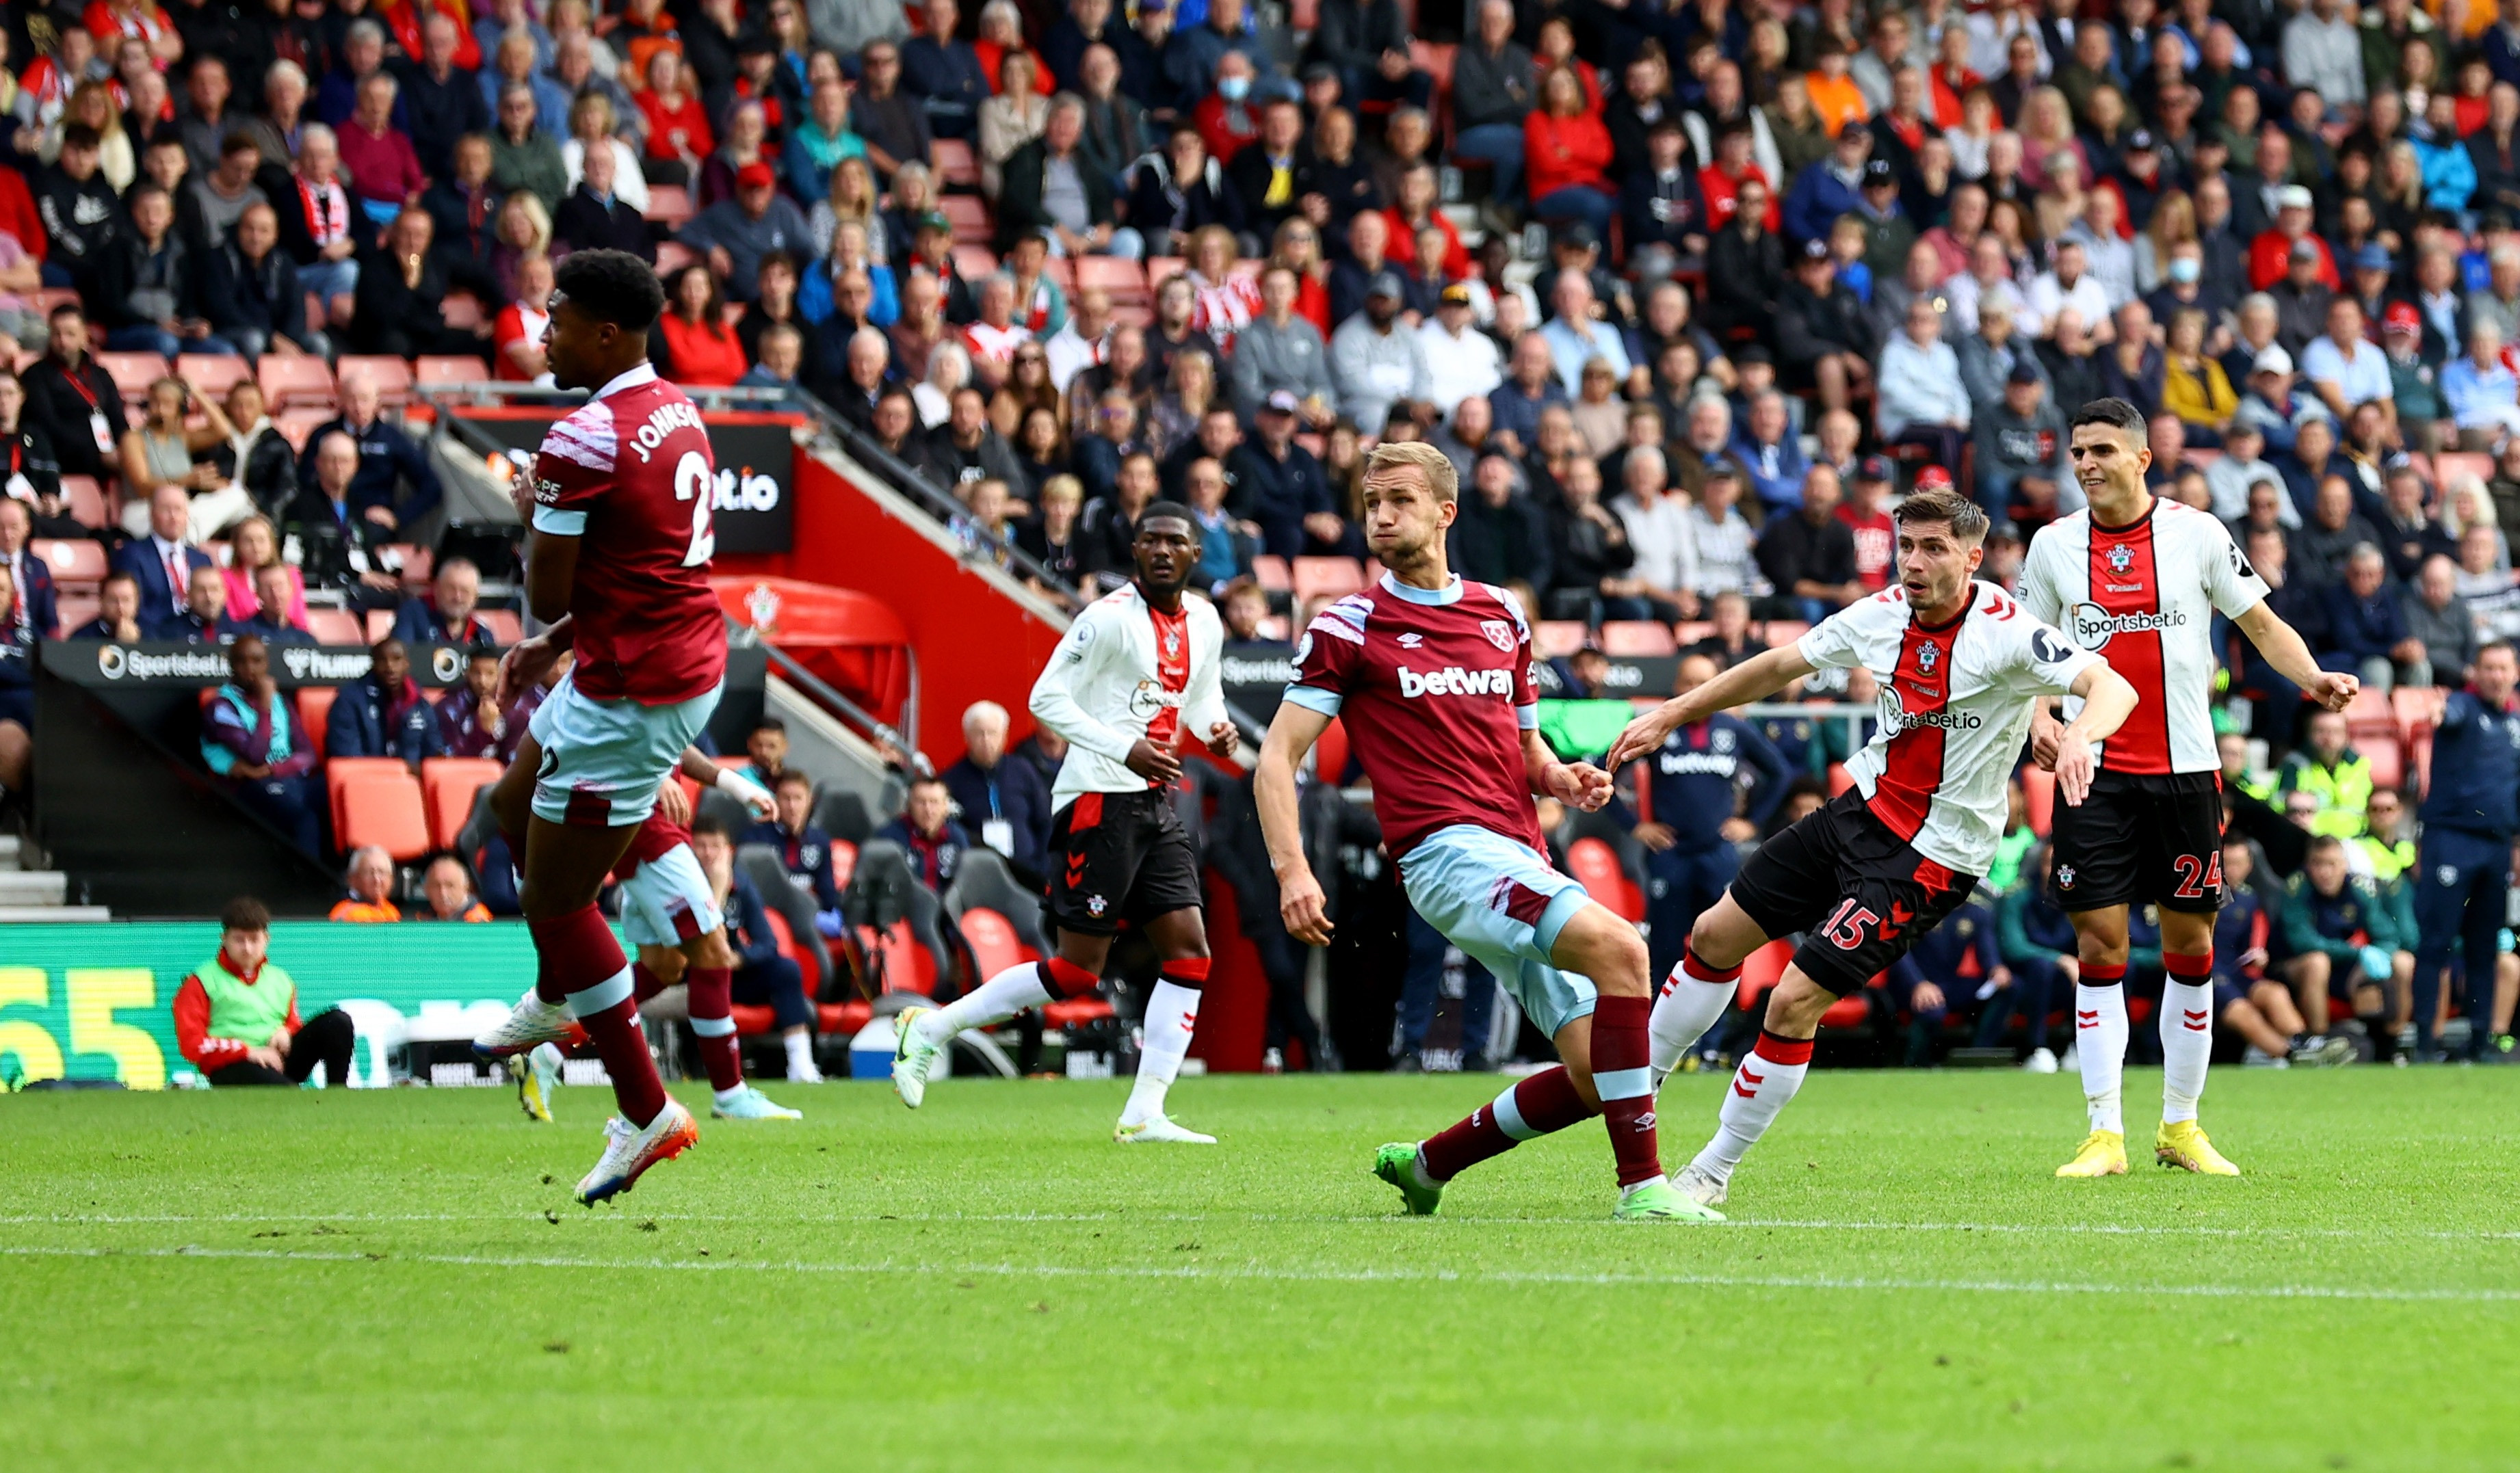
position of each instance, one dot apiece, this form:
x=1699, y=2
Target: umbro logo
x=1412, y=640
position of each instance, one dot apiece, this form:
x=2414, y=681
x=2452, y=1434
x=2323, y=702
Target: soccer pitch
x=399, y=1280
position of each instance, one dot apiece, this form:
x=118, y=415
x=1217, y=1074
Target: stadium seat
x=2039, y=797
x=462, y=311
x=2417, y=709
x=416, y=560
x=380, y=623
x=1764, y=968
x=974, y=262
x=1268, y=571
x=1324, y=577
x=391, y=375
x=211, y=374
x=133, y=372
x=295, y=424
x=1161, y=268
x=295, y=383
x=2448, y=467
x=1329, y=753
x=671, y=255
x=969, y=217
x=432, y=367
x=2388, y=760
x=1839, y=778
x=504, y=624
x=993, y=943
x=1692, y=632
x=84, y=498
x=956, y=166
x=314, y=708
x=1552, y=638
x=1121, y=279
x=905, y=964
x=335, y=626
x=1597, y=864
x=1783, y=632
x=808, y=959
x=669, y=206
x=74, y=562
x=383, y=809
x=1638, y=639
x=449, y=784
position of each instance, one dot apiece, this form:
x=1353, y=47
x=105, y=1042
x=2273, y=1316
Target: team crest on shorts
x=1096, y=905
x=1499, y=633
x=2065, y=876
x=2446, y=874
x=2121, y=557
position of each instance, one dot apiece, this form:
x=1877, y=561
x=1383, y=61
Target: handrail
x=823, y=691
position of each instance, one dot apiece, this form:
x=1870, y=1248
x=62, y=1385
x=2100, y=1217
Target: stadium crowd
x=1737, y=278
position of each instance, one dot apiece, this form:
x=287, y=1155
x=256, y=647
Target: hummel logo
x=1755, y=1081
x=2196, y=1019
x=1075, y=870
x=2090, y=1020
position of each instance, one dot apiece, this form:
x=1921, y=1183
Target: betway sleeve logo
x=2092, y=626
x=1453, y=680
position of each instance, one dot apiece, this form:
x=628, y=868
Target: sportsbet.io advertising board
x=95, y=1002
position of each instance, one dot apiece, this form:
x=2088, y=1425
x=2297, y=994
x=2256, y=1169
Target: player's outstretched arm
x=1579, y=784
x=1754, y=679
x=1300, y=902
x=754, y=797
x=2108, y=701
x=2284, y=648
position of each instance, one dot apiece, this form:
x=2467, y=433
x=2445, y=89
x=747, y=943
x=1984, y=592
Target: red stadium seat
x=504, y=624
x=2388, y=760
x=1764, y=968
x=392, y=376
x=386, y=810
x=974, y=262
x=314, y=709
x=970, y=218
x=1122, y=279
x=1552, y=638
x=462, y=311
x=1692, y=631
x=1839, y=778
x=2417, y=709
x=295, y=424
x=379, y=622
x=908, y=965
x=1330, y=577
x=845, y=862
x=2448, y=467
x=431, y=368
x=74, y=609
x=1782, y=632
x=1329, y=753
x=335, y=626
x=1597, y=864
x=672, y=256
x=956, y=166
x=449, y=784
x=2039, y=797
x=84, y=496
x=1267, y=570
x=211, y=374
x=1069, y=1012
x=1638, y=639
x=993, y=945
x=669, y=205
x=73, y=561
x=785, y=936
x=295, y=383
x=133, y=372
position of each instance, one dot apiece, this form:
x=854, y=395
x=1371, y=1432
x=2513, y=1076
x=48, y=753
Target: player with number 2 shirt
x=1959, y=664
x=618, y=566
x=2141, y=580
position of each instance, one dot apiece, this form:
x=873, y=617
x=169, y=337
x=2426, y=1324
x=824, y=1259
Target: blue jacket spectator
x=803, y=848
x=945, y=75
x=450, y=612
x=148, y=560
x=1279, y=493
x=2363, y=624
x=1828, y=189
x=193, y=629
x=388, y=457
x=1004, y=802
x=383, y=715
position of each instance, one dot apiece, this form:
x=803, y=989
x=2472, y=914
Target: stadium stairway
x=36, y=895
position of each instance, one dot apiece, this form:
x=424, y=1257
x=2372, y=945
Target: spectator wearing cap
x=1824, y=340
x=2270, y=401
x=1374, y=359
x=736, y=234
x=1887, y=229
x=2022, y=469
x=2300, y=301
x=1877, y=537
x=1723, y=538
x=1921, y=400
x=1280, y=486
x=1565, y=149
x=2480, y=389
x=1770, y=453
x=2345, y=369
x=2415, y=384
x=2272, y=252
x=944, y=72
x=2371, y=276
x=1829, y=187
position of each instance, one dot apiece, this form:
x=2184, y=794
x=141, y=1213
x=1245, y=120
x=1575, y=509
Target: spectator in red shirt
x=2270, y=253
x=692, y=344
x=1228, y=118
x=1565, y=148
x=1876, y=541
x=385, y=173
x=678, y=127
x=516, y=339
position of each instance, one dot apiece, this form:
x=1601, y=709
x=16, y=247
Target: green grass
x=399, y=1280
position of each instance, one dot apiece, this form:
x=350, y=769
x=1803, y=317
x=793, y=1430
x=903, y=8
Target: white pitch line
x=1271, y=1274
x=1797, y=1225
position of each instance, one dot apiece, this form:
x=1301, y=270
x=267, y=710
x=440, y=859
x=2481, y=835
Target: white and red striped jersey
x=2144, y=597
x=1955, y=701
x=1125, y=670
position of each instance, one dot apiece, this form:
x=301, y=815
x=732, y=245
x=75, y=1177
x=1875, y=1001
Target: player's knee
x=1796, y=1003
x=1626, y=963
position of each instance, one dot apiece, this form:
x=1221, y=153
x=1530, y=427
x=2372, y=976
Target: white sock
x=727, y=1096
x=800, y=1055
x=1765, y=1081
x=1171, y=1013
x=2187, y=1044
x=1682, y=1014
x=994, y=1001
x=2100, y=1045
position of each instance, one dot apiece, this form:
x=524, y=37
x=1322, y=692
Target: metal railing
x=830, y=697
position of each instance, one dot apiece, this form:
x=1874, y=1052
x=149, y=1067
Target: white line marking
x=1266, y=1272
x=1797, y=1225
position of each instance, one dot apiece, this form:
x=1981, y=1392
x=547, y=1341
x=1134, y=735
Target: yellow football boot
x=2102, y=1153
x=2183, y=1145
